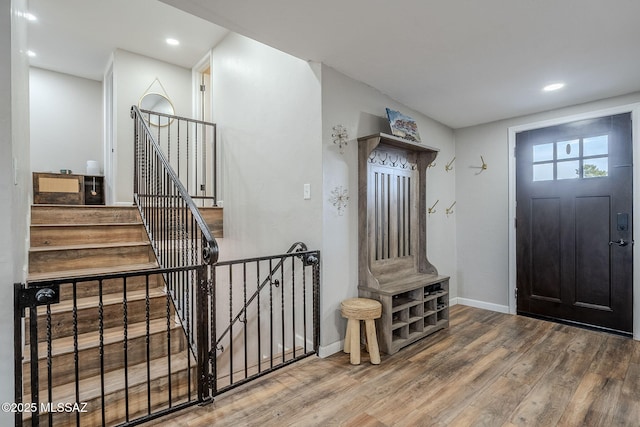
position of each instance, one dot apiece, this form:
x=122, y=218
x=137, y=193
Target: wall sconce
x=449, y=166
x=339, y=198
x=340, y=137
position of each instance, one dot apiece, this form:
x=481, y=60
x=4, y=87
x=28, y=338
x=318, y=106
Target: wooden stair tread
x=88, y=246
x=89, y=224
x=90, y=388
x=107, y=299
x=91, y=339
x=83, y=272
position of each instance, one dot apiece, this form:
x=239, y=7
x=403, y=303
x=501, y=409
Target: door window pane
x=569, y=169
x=594, y=168
x=543, y=172
x=542, y=152
x=595, y=146
x=568, y=149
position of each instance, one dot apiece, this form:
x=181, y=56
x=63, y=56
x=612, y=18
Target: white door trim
x=634, y=109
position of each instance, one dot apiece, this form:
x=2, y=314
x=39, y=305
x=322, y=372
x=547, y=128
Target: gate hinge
x=516, y=293
x=203, y=88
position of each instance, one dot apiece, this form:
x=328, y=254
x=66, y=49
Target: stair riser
x=88, y=321
x=63, y=366
x=83, y=215
x=109, y=286
x=115, y=403
x=43, y=236
x=57, y=260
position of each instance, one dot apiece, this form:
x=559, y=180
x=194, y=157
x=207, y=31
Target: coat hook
x=448, y=166
x=449, y=210
x=432, y=165
x=432, y=209
x=484, y=165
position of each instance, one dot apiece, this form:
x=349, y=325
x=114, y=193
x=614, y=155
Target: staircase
x=146, y=365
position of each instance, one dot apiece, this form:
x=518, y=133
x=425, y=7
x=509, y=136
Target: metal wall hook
x=449, y=210
x=449, y=166
x=432, y=209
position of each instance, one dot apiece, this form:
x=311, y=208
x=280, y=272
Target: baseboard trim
x=484, y=305
x=328, y=350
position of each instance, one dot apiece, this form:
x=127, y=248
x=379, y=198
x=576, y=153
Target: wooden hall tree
x=393, y=267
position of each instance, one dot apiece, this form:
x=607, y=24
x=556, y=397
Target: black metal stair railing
x=189, y=146
x=177, y=232
x=271, y=307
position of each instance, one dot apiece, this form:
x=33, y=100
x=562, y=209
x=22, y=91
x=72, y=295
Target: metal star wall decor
x=339, y=198
x=340, y=137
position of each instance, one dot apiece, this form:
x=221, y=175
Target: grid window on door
x=580, y=158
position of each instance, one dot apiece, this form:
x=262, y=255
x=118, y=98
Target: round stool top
x=361, y=308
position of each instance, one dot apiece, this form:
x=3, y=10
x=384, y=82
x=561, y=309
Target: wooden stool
x=355, y=310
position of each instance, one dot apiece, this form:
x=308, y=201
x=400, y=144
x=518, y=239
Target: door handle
x=620, y=242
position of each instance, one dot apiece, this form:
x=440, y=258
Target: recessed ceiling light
x=31, y=54
x=172, y=42
x=553, y=86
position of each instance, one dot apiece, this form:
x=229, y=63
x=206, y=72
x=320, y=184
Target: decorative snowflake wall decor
x=339, y=198
x=340, y=137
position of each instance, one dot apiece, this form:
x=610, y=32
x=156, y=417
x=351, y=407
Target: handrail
x=297, y=246
x=210, y=250
x=184, y=142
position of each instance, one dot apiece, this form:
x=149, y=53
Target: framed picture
x=403, y=126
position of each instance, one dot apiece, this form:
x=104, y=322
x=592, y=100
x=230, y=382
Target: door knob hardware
x=620, y=242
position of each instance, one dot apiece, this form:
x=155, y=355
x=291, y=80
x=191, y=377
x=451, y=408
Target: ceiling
x=78, y=36
x=461, y=62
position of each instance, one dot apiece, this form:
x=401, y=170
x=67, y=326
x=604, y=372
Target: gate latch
x=33, y=297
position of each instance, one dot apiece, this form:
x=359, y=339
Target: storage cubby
x=392, y=263
x=403, y=324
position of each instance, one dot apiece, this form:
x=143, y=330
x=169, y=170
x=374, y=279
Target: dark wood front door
x=574, y=222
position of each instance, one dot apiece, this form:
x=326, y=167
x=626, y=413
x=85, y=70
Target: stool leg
x=354, y=335
x=347, y=338
x=372, y=341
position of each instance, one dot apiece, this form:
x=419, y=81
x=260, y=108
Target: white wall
x=66, y=121
x=361, y=110
x=133, y=74
x=483, y=204
x=15, y=182
x=267, y=107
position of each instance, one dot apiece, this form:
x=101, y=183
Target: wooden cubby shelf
x=392, y=265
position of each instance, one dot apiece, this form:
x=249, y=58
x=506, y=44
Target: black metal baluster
x=245, y=321
x=258, y=316
x=49, y=364
x=101, y=349
x=304, y=305
x=282, y=312
x=33, y=345
x=147, y=319
x=231, y=323
x=270, y=314
x=125, y=343
x=293, y=305
x=168, y=313
x=75, y=347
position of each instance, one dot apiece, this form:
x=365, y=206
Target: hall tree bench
x=392, y=258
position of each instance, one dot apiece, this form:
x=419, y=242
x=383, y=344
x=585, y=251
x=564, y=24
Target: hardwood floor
x=487, y=369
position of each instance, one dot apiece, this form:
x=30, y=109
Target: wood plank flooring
x=487, y=369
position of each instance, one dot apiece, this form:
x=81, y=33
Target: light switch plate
x=307, y=191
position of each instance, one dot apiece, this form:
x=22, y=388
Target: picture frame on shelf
x=403, y=126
